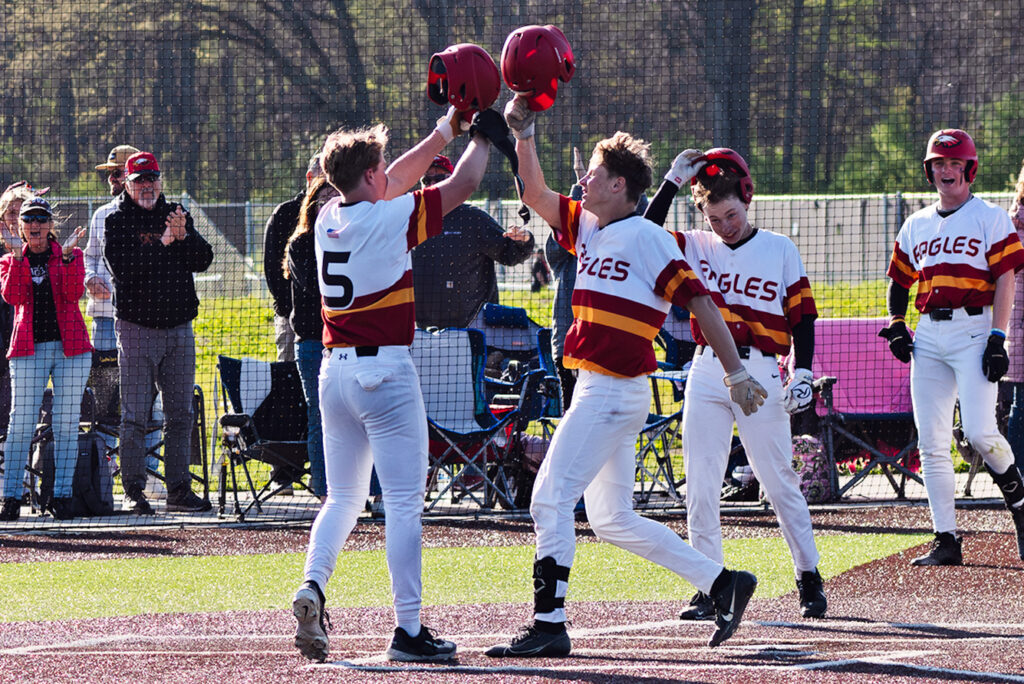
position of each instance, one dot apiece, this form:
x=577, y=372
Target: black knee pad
x=1009, y=484
x=546, y=574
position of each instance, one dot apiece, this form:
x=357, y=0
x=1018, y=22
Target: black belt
x=947, y=314
x=744, y=352
x=367, y=351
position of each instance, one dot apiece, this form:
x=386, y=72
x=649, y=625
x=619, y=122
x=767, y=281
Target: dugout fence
x=830, y=103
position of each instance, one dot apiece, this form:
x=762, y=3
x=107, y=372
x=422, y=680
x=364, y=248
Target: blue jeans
x=29, y=377
x=308, y=355
x=103, y=337
x=1015, y=425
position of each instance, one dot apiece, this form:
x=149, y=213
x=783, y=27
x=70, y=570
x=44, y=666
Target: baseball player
x=757, y=280
x=370, y=395
x=629, y=273
x=962, y=252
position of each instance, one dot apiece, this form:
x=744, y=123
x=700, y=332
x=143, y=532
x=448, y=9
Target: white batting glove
x=745, y=390
x=799, y=391
x=451, y=125
x=685, y=166
x=520, y=118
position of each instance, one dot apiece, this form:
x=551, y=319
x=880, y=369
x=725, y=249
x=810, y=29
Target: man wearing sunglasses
x=152, y=250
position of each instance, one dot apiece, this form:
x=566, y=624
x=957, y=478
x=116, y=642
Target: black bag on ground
x=92, y=487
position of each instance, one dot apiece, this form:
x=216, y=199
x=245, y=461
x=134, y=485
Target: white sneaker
x=155, y=489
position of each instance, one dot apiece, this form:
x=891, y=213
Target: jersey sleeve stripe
x=1010, y=256
x=900, y=268
x=678, y=284
x=569, y=215
x=426, y=219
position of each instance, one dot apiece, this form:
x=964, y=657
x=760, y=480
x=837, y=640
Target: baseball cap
x=117, y=157
x=36, y=205
x=140, y=163
x=443, y=162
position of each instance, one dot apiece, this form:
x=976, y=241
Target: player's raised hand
x=577, y=164
x=685, y=166
x=451, y=124
x=520, y=118
x=745, y=391
x=799, y=391
x=994, y=361
x=69, y=245
x=901, y=344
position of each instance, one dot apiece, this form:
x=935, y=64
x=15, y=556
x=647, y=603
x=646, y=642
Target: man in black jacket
x=152, y=249
x=280, y=227
x=453, y=273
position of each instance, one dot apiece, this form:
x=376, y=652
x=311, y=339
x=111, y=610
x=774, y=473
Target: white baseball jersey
x=628, y=274
x=365, y=270
x=955, y=260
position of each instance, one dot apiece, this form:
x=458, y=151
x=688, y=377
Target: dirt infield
x=886, y=620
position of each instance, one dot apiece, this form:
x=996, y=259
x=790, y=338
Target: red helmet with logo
x=464, y=75
x=721, y=158
x=954, y=144
x=533, y=60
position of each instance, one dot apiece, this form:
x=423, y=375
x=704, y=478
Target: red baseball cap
x=140, y=163
x=443, y=162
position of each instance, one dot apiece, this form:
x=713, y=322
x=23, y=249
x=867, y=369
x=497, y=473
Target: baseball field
x=203, y=605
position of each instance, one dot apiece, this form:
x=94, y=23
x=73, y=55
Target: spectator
x=1015, y=376
x=100, y=306
x=540, y=274
x=300, y=270
x=44, y=281
x=152, y=249
x=453, y=274
x=280, y=227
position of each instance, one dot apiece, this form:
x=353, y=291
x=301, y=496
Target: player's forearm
x=406, y=171
x=715, y=331
x=536, y=194
x=1003, y=302
x=467, y=175
x=897, y=299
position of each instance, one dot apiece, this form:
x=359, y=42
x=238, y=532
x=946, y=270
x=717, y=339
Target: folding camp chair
x=264, y=420
x=472, y=449
x=865, y=396
x=511, y=337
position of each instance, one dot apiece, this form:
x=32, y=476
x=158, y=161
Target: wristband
x=998, y=332
x=896, y=319
x=444, y=128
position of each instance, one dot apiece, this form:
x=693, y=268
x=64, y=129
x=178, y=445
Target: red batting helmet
x=721, y=158
x=955, y=144
x=465, y=76
x=533, y=60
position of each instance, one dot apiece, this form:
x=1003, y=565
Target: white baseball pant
x=373, y=415
x=593, y=454
x=947, y=360
x=708, y=417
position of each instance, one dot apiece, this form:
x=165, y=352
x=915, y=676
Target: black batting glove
x=489, y=124
x=901, y=344
x=995, y=362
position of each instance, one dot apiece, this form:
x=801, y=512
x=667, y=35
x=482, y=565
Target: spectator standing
x=44, y=281
x=453, y=273
x=307, y=322
x=1015, y=375
x=152, y=249
x=280, y=227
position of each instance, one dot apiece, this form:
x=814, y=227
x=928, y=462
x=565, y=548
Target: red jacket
x=68, y=283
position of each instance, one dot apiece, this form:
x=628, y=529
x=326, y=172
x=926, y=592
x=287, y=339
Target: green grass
x=121, y=587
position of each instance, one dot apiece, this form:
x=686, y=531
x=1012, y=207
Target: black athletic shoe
x=11, y=509
x=424, y=647
x=135, y=502
x=533, y=643
x=813, y=603
x=730, y=602
x=946, y=550
x=311, y=630
x=1018, y=522
x=187, y=502
x=701, y=608
x=60, y=508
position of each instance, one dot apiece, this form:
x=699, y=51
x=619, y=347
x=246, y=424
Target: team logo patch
x=947, y=140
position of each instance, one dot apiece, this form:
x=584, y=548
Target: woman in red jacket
x=43, y=281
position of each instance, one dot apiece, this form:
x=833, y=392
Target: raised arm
x=536, y=194
x=406, y=171
x=468, y=173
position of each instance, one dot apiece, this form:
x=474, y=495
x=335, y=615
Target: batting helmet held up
x=720, y=158
x=464, y=75
x=533, y=60
x=951, y=143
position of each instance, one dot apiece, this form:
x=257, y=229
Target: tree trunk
x=66, y=116
x=789, y=118
x=815, y=104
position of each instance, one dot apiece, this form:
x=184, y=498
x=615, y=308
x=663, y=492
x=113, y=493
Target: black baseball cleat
x=311, y=630
x=533, y=643
x=424, y=647
x=813, y=603
x=701, y=608
x=730, y=602
x=946, y=550
x=1018, y=522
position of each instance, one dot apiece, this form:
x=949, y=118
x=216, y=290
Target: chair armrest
x=235, y=420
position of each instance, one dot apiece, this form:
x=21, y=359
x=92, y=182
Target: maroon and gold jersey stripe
x=569, y=215
x=678, y=283
x=1005, y=255
x=386, y=317
x=900, y=268
x=426, y=219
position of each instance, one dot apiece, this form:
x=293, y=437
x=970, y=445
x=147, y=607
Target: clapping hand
x=12, y=241
x=175, y=226
x=72, y=241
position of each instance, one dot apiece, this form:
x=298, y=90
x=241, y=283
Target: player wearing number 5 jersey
x=962, y=252
x=629, y=273
x=370, y=398
x=757, y=280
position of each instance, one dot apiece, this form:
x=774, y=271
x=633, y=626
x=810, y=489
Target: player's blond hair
x=713, y=189
x=627, y=157
x=347, y=154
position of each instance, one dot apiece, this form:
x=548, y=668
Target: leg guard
x=546, y=575
x=1009, y=484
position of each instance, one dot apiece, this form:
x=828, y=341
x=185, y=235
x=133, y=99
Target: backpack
x=92, y=486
